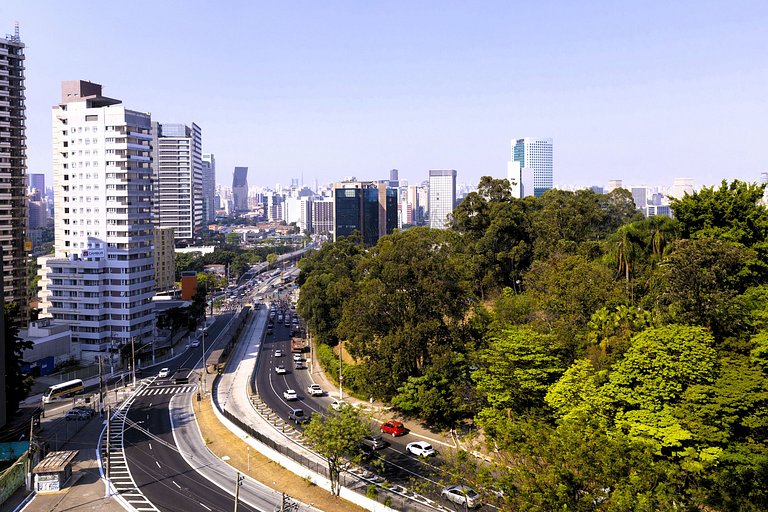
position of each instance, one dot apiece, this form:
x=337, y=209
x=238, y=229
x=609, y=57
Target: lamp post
x=341, y=377
x=133, y=361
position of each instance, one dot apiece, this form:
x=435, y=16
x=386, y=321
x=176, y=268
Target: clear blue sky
x=639, y=91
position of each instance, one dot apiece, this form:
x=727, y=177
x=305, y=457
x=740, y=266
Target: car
x=280, y=369
x=90, y=412
x=297, y=416
x=300, y=365
x=164, y=373
x=462, y=495
x=278, y=353
x=420, y=449
x=194, y=343
x=297, y=357
x=269, y=332
x=315, y=390
x=290, y=394
x=76, y=414
x=339, y=405
x=373, y=442
x=393, y=428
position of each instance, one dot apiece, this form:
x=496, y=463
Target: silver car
x=462, y=495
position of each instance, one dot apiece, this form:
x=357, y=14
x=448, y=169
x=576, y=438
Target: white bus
x=63, y=390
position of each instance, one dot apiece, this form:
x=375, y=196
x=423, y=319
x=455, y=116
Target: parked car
x=76, y=414
x=297, y=416
x=280, y=369
x=88, y=411
x=420, y=449
x=290, y=394
x=315, y=390
x=164, y=373
x=462, y=495
x=394, y=428
x=372, y=442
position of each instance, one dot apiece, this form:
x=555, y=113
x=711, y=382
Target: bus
x=63, y=390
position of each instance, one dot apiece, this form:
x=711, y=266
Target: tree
x=337, y=436
x=409, y=297
x=17, y=385
x=271, y=259
x=233, y=238
x=728, y=213
x=700, y=282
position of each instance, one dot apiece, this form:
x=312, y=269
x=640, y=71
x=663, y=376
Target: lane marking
x=158, y=464
x=206, y=508
x=150, y=446
x=174, y=483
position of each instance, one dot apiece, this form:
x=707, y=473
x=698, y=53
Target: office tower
x=322, y=216
x=240, y=190
x=640, y=197
x=100, y=278
x=13, y=170
x=37, y=182
x=366, y=207
x=394, y=180
x=165, y=267
x=209, y=188
x=177, y=179
x=442, y=197
x=613, y=185
x=535, y=158
x=680, y=187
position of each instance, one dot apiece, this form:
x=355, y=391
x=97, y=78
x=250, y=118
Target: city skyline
x=641, y=93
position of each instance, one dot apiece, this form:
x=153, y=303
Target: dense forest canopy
x=611, y=361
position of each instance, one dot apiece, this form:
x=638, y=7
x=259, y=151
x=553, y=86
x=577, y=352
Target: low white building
x=51, y=345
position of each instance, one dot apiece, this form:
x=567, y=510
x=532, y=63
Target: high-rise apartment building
x=442, y=197
x=240, y=190
x=534, y=158
x=13, y=170
x=100, y=278
x=177, y=180
x=322, y=216
x=164, y=259
x=209, y=188
x=37, y=182
x=394, y=178
x=366, y=207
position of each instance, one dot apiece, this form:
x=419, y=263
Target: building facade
x=13, y=172
x=177, y=180
x=209, y=188
x=100, y=279
x=322, y=216
x=165, y=267
x=535, y=162
x=240, y=190
x=366, y=207
x=442, y=197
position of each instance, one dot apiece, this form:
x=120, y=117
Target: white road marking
x=158, y=464
x=206, y=508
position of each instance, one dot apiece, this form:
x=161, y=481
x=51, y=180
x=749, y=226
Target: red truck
x=297, y=345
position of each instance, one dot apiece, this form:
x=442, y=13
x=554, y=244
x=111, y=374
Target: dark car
x=373, y=443
x=298, y=416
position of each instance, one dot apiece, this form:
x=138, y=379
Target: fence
x=13, y=478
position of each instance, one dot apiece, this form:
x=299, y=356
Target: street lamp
x=341, y=377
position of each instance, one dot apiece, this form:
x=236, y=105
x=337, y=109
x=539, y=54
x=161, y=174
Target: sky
x=321, y=90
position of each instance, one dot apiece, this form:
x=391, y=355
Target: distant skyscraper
x=322, y=216
x=240, y=190
x=613, y=185
x=102, y=178
x=442, y=197
x=535, y=159
x=680, y=187
x=368, y=207
x=13, y=167
x=394, y=180
x=209, y=188
x=37, y=182
x=177, y=180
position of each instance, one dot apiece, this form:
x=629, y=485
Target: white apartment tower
x=177, y=182
x=100, y=278
x=442, y=197
x=530, y=170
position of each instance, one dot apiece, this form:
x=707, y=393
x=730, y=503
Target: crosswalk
x=166, y=390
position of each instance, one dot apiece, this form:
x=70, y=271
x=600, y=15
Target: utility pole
x=238, y=483
x=133, y=362
x=101, y=387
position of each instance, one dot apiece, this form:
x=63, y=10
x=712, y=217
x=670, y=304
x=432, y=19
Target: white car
x=420, y=449
x=278, y=353
x=462, y=495
x=339, y=405
x=164, y=373
x=194, y=343
x=290, y=394
x=297, y=357
x=280, y=369
x=315, y=390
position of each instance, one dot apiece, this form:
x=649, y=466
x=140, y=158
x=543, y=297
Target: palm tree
x=625, y=248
